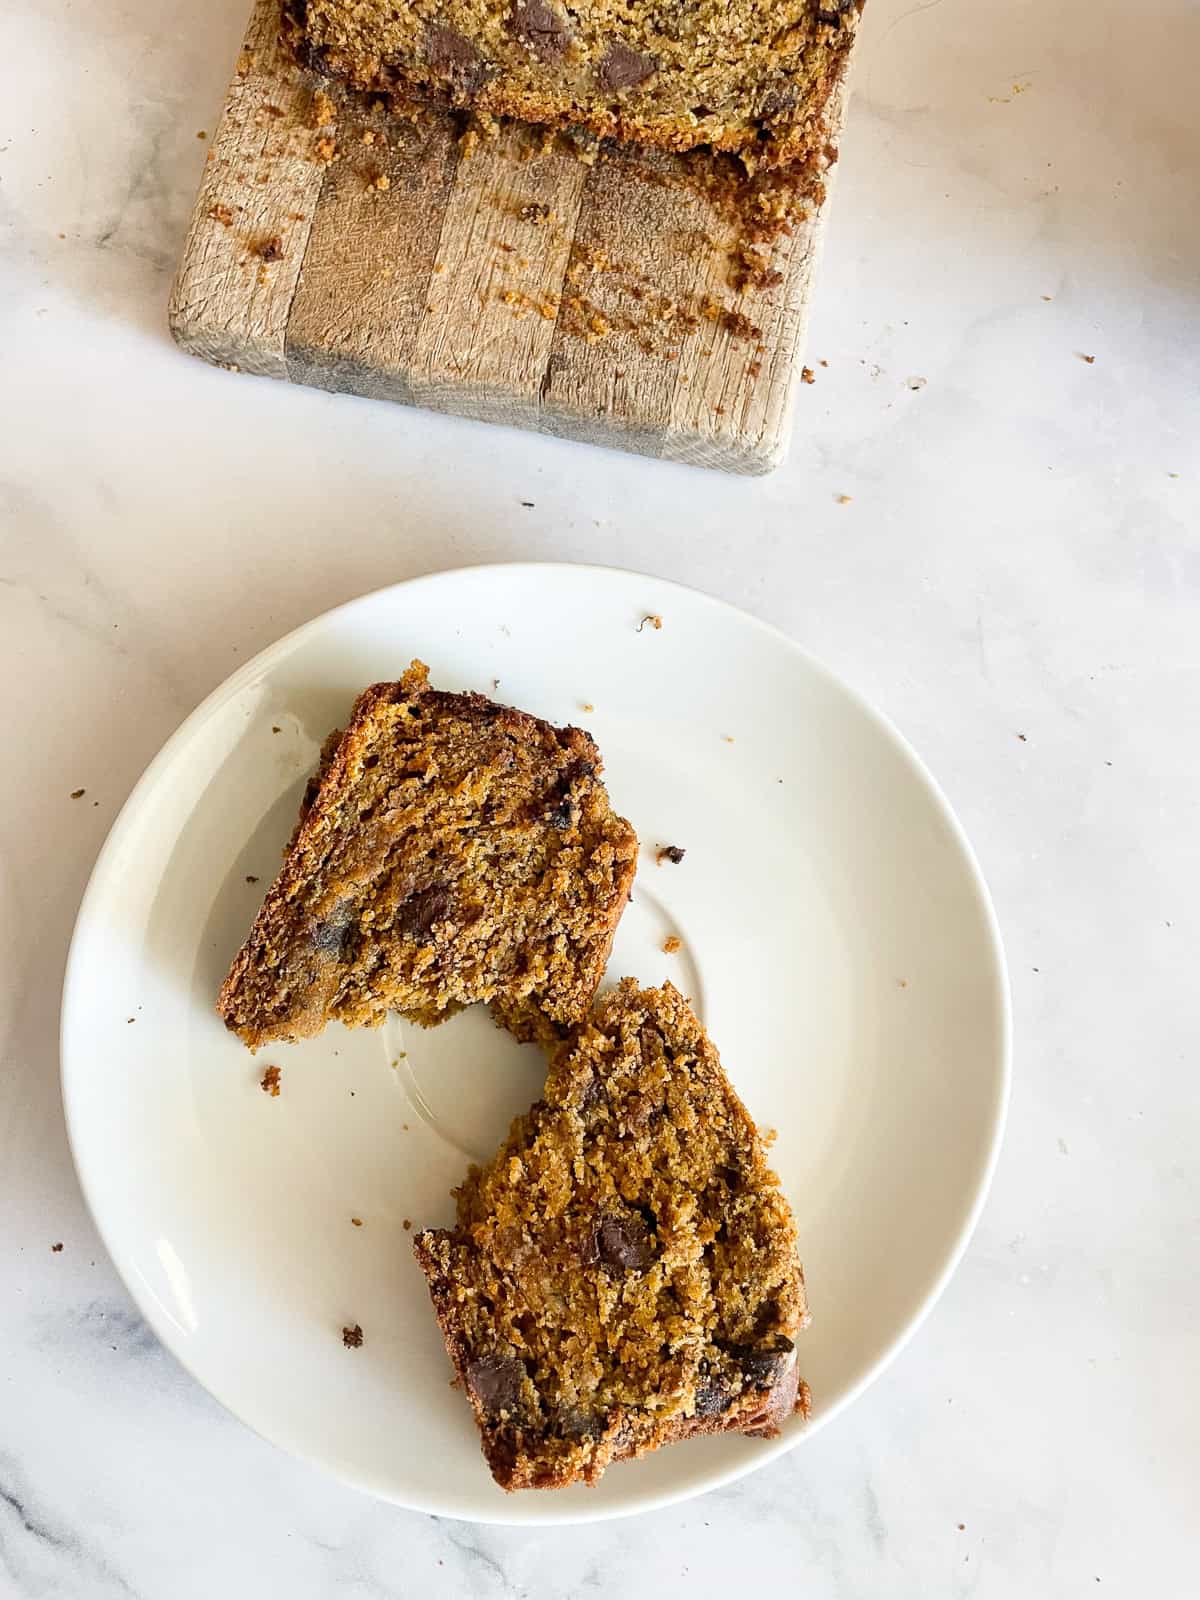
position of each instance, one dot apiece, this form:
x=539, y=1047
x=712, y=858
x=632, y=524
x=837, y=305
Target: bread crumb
x=352, y=1338
x=270, y=249
x=357, y=1221
x=324, y=111
x=220, y=213
x=326, y=150
x=672, y=943
x=369, y=136
x=769, y=1137
x=250, y=878
x=1091, y=360
x=78, y=794
x=822, y=363
x=1022, y=738
x=807, y=375
x=202, y=133
x=728, y=738
x=407, y=1224
x=669, y=852
x=380, y=181
x=653, y=619
x=588, y=706
x=843, y=499
x=56, y=1247
x=269, y=1083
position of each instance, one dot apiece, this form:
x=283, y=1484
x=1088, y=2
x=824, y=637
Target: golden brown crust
x=449, y=850
x=754, y=78
x=623, y=1273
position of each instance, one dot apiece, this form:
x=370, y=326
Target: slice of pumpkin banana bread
x=623, y=1272
x=449, y=850
x=755, y=77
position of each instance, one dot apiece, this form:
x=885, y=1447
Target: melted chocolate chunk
x=495, y=1381
x=762, y=1368
x=780, y=97
x=624, y=1243
x=420, y=911
x=542, y=28
x=333, y=937
x=447, y=51
x=623, y=68
x=713, y=1397
x=564, y=815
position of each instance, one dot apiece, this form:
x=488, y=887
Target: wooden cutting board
x=371, y=256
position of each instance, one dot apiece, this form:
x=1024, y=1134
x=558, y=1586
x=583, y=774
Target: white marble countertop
x=1015, y=580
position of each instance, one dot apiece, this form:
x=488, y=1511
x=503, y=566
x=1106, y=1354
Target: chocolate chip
x=564, y=815
x=623, y=68
x=544, y=30
x=593, y=1093
x=762, y=1368
x=624, y=1243
x=333, y=936
x=448, y=52
x=713, y=1397
x=496, y=1381
x=671, y=852
x=573, y=1422
x=420, y=911
x=780, y=97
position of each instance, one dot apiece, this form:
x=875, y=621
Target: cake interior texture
x=449, y=850
x=623, y=1273
x=751, y=76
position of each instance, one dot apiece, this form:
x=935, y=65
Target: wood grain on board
x=515, y=282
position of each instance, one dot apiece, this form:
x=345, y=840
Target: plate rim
x=540, y=1510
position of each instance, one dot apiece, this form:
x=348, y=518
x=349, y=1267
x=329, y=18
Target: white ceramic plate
x=837, y=940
